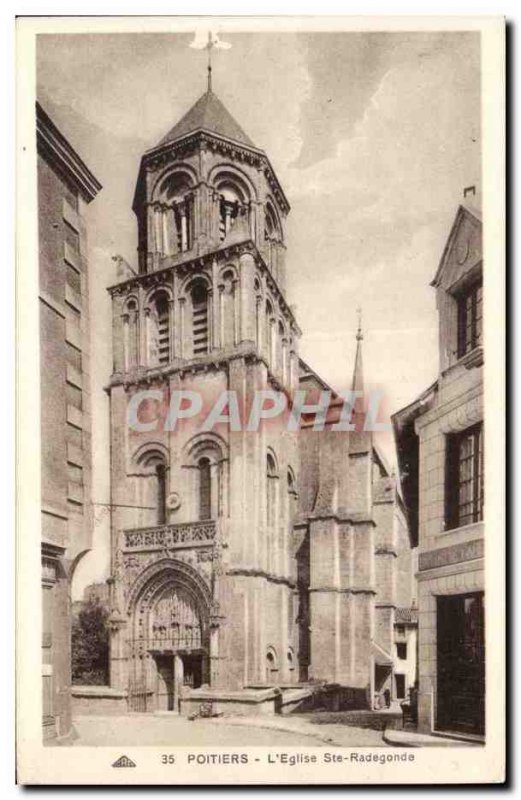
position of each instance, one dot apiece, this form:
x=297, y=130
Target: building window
x=161, y=494
x=71, y=236
x=200, y=319
x=271, y=666
x=401, y=650
x=205, y=489
x=158, y=330
x=163, y=330
x=400, y=630
x=271, y=509
x=73, y=278
x=183, y=225
x=470, y=319
x=465, y=477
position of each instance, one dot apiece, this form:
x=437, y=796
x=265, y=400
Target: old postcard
x=261, y=400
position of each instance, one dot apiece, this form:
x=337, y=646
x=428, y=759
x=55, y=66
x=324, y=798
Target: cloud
x=346, y=71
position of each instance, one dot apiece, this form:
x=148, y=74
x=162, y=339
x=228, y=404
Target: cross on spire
x=202, y=43
x=209, y=48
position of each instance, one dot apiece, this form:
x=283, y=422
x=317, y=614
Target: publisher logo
x=124, y=761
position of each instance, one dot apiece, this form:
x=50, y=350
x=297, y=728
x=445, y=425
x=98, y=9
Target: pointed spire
x=358, y=372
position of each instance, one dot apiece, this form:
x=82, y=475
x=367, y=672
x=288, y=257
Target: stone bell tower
x=203, y=573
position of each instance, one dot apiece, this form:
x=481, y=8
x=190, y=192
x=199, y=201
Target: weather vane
x=201, y=42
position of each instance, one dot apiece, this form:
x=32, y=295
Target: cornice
x=53, y=146
x=181, y=148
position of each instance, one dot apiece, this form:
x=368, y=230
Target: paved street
x=149, y=729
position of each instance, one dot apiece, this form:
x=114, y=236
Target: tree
x=90, y=644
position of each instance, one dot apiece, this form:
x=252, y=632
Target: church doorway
x=192, y=670
x=165, y=683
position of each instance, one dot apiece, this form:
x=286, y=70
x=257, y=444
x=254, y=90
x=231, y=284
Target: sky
x=373, y=137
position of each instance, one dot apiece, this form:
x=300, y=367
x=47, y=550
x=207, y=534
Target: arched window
x=281, y=350
x=159, y=330
x=205, y=488
x=161, y=493
x=291, y=663
x=271, y=509
x=292, y=498
x=200, y=338
x=233, y=196
x=228, y=297
x=271, y=666
x=130, y=334
x=153, y=465
x=271, y=227
x=163, y=329
x=230, y=203
x=174, y=215
x=258, y=313
x=206, y=463
x=269, y=338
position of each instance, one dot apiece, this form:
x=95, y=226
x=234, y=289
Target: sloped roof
x=208, y=114
x=464, y=209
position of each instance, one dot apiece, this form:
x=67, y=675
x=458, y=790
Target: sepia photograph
x=262, y=328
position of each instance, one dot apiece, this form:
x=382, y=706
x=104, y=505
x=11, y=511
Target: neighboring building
x=65, y=185
x=440, y=449
x=405, y=651
x=241, y=560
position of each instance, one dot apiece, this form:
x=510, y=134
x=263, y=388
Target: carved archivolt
x=168, y=570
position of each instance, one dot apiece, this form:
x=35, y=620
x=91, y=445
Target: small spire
x=359, y=334
x=358, y=372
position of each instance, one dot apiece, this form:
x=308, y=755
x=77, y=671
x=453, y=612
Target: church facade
x=246, y=561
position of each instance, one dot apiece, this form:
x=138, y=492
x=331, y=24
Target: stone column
x=165, y=230
x=251, y=219
x=211, y=319
x=182, y=327
x=273, y=344
x=235, y=284
x=118, y=667
x=125, y=318
x=178, y=679
x=227, y=218
x=221, y=288
x=151, y=234
x=158, y=230
x=146, y=359
x=171, y=327
x=258, y=322
x=182, y=213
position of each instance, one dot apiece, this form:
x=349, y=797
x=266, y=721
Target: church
x=250, y=569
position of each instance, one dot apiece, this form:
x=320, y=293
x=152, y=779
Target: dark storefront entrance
x=461, y=664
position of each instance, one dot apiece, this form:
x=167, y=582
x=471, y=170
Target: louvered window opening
x=163, y=334
x=200, y=320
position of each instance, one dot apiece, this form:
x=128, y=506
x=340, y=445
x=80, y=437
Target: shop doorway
x=461, y=663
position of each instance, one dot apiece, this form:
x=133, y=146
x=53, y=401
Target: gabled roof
x=208, y=114
x=465, y=209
